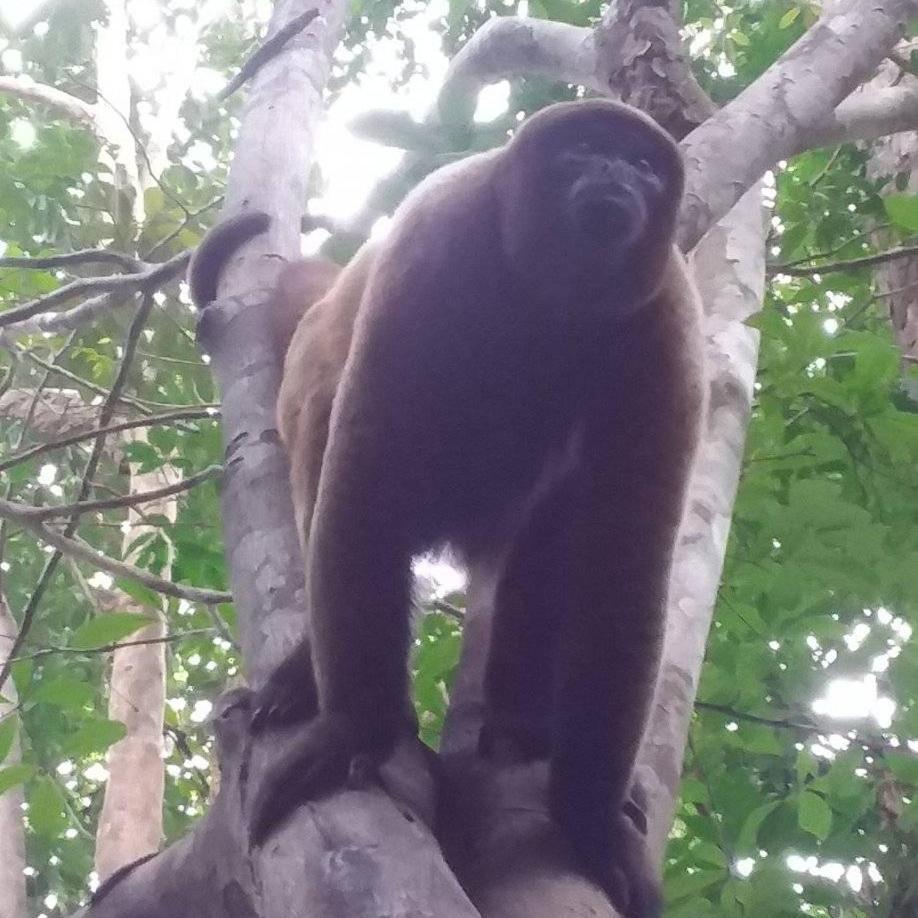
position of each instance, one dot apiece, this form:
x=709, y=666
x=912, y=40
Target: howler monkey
x=524, y=382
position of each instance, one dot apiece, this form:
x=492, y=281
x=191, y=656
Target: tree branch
x=80, y=257
x=865, y=117
x=272, y=46
x=120, y=285
x=83, y=551
x=772, y=119
x=27, y=89
x=40, y=514
x=514, y=46
x=191, y=414
x=115, y=645
x=850, y=264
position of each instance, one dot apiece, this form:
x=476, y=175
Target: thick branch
x=866, y=116
x=72, y=108
x=772, y=119
x=512, y=46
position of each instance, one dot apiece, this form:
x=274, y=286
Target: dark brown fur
x=523, y=382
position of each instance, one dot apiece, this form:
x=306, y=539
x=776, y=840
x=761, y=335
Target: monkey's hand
x=317, y=762
x=289, y=695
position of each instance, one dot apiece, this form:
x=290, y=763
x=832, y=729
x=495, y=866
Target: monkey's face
x=591, y=195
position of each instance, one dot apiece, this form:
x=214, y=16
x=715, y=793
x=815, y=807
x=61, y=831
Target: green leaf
x=139, y=593
x=690, y=884
x=108, y=629
x=7, y=735
x=708, y=853
x=814, y=815
x=904, y=767
x=95, y=736
x=14, y=775
x=740, y=38
x=789, y=18
x=47, y=814
x=749, y=833
x=908, y=821
x=63, y=692
x=902, y=209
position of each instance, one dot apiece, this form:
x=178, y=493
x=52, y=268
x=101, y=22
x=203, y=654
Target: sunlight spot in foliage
x=23, y=133
x=854, y=877
x=493, y=100
x=201, y=711
x=11, y=59
x=744, y=866
x=96, y=772
x=47, y=474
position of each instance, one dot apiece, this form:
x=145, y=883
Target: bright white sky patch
x=23, y=133
x=744, y=866
x=492, y=101
x=352, y=166
x=444, y=576
x=47, y=474
x=201, y=711
x=96, y=772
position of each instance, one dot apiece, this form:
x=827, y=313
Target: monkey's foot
x=319, y=762
x=288, y=696
x=619, y=862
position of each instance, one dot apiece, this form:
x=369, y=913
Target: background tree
x=797, y=795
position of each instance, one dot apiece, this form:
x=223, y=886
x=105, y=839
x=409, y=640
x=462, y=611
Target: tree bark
x=337, y=841
x=12, y=837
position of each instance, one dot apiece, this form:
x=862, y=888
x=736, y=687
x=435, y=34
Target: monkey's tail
x=219, y=244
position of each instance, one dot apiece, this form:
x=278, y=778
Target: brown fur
x=514, y=370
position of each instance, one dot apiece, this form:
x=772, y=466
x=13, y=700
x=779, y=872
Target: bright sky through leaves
x=13, y=13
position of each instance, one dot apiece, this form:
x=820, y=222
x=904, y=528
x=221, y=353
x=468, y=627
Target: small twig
x=113, y=646
x=80, y=257
x=221, y=626
x=124, y=285
x=191, y=215
x=267, y=50
x=850, y=264
x=447, y=608
x=83, y=551
x=784, y=723
x=874, y=742
x=27, y=420
x=41, y=514
x=828, y=253
x=151, y=420
x=79, y=380
x=106, y=412
x=826, y=168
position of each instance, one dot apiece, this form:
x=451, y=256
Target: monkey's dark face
x=590, y=193
x=608, y=197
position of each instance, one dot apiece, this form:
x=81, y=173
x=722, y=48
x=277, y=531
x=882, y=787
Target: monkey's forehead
x=573, y=115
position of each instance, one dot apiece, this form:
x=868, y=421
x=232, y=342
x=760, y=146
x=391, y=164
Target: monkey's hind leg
x=531, y=603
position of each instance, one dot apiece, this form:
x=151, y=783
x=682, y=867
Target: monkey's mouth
x=608, y=217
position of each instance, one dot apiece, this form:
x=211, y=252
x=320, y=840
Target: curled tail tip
x=219, y=244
